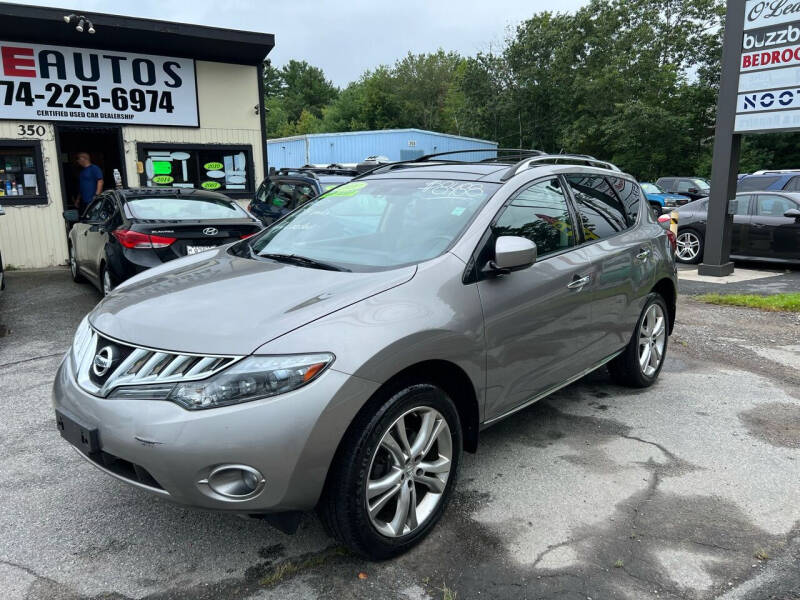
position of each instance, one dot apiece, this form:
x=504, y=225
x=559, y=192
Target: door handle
x=644, y=253
x=577, y=284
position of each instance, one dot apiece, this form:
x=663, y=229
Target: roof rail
x=521, y=152
x=776, y=171
x=587, y=160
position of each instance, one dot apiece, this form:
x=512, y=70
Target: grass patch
x=761, y=555
x=290, y=568
x=619, y=564
x=777, y=302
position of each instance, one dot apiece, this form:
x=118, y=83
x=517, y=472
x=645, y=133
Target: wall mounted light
x=83, y=23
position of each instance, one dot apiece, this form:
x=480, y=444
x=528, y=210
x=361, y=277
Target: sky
x=344, y=38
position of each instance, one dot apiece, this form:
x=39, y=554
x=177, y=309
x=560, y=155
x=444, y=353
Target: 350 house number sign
x=57, y=83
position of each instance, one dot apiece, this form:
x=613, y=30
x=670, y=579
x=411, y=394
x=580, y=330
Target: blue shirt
x=88, y=183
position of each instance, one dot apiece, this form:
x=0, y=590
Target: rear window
x=183, y=209
x=755, y=184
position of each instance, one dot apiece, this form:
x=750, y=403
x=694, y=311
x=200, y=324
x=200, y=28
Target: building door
x=104, y=146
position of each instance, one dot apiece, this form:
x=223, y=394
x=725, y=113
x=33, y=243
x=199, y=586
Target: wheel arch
x=666, y=289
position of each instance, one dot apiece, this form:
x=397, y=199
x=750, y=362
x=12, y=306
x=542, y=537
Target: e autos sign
x=769, y=68
x=57, y=83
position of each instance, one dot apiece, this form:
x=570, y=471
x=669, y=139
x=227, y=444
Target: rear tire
x=641, y=361
x=106, y=280
x=73, y=265
x=376, y=470
x=690, y=247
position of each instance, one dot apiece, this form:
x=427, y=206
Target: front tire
x=394, y=472
x=641, y=361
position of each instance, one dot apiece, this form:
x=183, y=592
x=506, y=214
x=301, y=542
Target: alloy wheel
x=688, y=246
x=73, y=265
x=408, y=472
x=652, y=340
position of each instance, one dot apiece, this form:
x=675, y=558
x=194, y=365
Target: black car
x=694, y=187
x=2, y=272
x=286, y=189
x=766, y=226
x=124, y=232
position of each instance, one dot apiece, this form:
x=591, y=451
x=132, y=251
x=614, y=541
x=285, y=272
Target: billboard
x=41, y=82
x=769, y=68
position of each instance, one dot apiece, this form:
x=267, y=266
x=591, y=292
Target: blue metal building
x=355, y=146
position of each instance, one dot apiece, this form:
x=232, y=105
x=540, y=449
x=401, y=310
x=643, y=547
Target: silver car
x=346, y=356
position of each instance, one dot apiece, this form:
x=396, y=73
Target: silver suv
x=343, y=358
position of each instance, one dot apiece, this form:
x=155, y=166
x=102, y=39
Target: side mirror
x=792, y=213
x=71, y=216
x=512, y=253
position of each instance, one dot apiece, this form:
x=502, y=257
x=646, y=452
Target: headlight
x=250, y=379
x=81, y=340
x=669, y=202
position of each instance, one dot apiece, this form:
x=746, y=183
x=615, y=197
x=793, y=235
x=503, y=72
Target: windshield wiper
x=303, y=261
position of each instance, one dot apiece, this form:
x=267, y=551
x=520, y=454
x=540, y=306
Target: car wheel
x=73, y=266
x=641, y=361
x=106, y=280
x=394, y=472
x=690, y=246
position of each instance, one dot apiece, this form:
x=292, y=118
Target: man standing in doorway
x=90, y=181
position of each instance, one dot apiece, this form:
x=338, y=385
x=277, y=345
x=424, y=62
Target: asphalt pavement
x=686, y=490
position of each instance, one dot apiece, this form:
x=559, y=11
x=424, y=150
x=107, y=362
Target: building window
x=226, y=169
x=21, y=173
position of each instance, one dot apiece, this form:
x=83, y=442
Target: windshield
x=377, y=224
x=701, y=184
x=651, y=188
x=172, y=208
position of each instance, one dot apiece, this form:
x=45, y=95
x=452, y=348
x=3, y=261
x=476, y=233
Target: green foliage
x=631, y=81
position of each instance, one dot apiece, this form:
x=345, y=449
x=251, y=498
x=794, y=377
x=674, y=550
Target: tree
x=305, y=88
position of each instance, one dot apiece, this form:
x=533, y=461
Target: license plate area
x=197, y=249
x=82, y=437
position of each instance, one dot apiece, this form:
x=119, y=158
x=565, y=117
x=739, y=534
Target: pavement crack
x=27, y=360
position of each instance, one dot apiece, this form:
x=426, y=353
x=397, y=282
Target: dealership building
x=163, y=104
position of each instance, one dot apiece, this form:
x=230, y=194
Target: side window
x=93, y=211
x=739, y=206
x=630, y=194
x=793, y=185
x=540, y=213
x=684, y=185
x=768, y=205
x=668, y=185
x=599, y=210
x=106, y=210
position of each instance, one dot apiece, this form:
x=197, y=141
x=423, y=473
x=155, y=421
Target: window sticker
x=347, y=190
x=458, y=211
x=453, y=189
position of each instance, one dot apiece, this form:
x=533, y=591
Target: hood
x=224, y=304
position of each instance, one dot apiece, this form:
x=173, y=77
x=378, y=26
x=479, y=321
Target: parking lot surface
x=690, y=489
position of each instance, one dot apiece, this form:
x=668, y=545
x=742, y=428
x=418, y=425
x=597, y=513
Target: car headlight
x=250, y=379
x=81, y=341
x=669, y=202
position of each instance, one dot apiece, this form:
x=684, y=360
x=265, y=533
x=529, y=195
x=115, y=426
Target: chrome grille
x=139, y=365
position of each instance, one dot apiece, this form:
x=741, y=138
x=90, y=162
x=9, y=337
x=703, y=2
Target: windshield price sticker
x=58, y=83
x=453, y=189
x=346, y=190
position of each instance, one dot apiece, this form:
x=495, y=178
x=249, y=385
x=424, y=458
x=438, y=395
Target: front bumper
x=291, y=439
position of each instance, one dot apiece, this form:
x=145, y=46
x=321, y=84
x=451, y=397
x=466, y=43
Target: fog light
x=235, y=482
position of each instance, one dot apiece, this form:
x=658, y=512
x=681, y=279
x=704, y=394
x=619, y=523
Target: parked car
x=662, y=200
x=763, y=181
x=766, y=227
x=286, y=189
x=344, y=357
x=124, y=232
x=2, y=270
x=693, y=187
